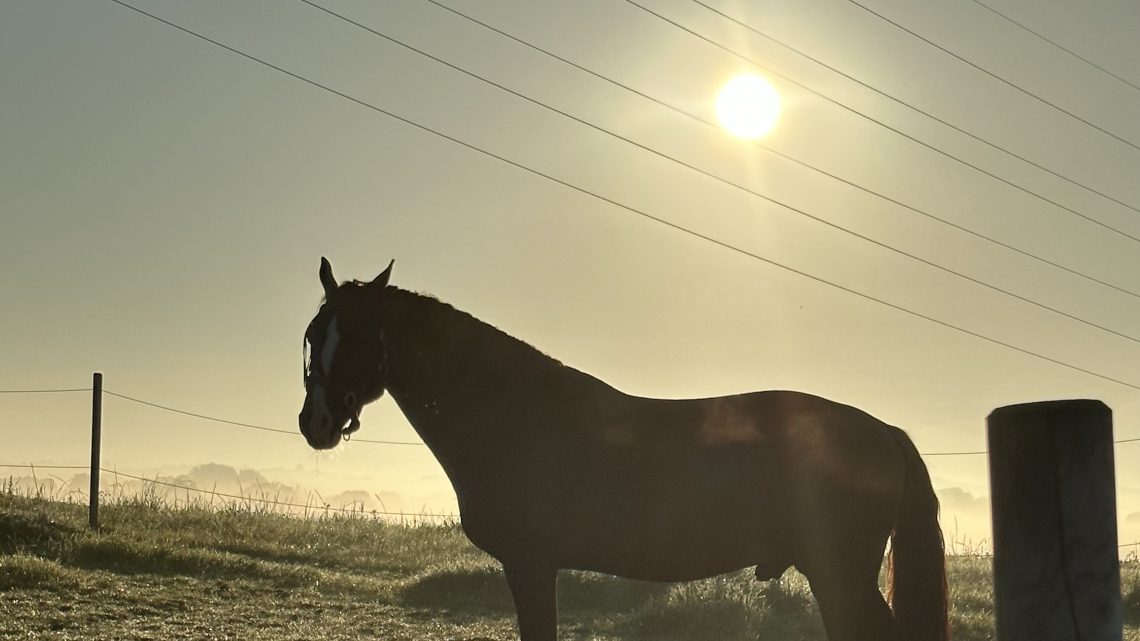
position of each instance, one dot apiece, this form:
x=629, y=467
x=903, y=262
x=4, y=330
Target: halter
x=313, y=373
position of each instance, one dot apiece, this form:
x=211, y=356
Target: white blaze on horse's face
x=328, y=351
x=331, y=342
x=321, y=423
x=322, y=418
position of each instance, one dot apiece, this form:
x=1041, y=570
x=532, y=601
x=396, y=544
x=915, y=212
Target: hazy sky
x=165, y=204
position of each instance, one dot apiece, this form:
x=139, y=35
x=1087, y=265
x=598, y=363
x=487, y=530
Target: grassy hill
x=156, y=571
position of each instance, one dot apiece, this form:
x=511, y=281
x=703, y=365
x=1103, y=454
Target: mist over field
x=428, y=494
x=965, y=516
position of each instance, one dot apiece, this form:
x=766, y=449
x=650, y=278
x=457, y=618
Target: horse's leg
x=843, y=571
x=533, y=590
x=852, y=610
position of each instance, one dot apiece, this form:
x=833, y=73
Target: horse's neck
x=452, y=375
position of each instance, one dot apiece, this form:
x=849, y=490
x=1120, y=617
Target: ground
x=157, y=571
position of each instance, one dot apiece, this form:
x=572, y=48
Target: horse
x=554, y=469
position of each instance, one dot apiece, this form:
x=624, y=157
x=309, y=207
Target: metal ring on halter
x=353, y=425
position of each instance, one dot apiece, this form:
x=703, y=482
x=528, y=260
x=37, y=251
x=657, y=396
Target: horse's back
x=764, y=437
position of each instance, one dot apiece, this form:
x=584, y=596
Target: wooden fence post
x=96, y=436
x=1056, y=563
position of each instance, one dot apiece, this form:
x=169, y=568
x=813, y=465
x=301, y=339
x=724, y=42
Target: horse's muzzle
x=320, y=428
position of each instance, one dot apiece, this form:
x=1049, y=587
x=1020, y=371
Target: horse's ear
x=381, y=281
x=327, y=280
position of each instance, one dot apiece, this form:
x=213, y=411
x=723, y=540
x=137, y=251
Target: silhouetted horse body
x=554, y=469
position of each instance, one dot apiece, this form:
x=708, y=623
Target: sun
x=748, y=106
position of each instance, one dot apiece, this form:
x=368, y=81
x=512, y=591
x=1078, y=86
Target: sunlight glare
x=748, y=106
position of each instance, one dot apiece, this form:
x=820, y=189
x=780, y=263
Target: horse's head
x=345, y=359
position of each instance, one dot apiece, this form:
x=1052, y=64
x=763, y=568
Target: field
x=157, y=571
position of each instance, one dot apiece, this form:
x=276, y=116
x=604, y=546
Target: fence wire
x=308, y=507
x=295, y=433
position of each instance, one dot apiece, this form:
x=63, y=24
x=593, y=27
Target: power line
x=881, y=123
x=240, y=424
x=899, y=101
x=992, y=74
x=1055, y=44
x=782, y=155
x=720, y=179
x=630, y=208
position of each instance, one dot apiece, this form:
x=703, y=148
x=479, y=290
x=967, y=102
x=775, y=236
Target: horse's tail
x=916, y=570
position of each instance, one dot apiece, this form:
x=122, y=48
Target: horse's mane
x=452, y=320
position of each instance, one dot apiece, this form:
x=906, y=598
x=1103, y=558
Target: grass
x=195, y=571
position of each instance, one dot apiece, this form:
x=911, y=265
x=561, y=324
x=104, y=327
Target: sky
x=165, y=204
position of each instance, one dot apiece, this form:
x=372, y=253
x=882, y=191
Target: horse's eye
x=349, y=400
